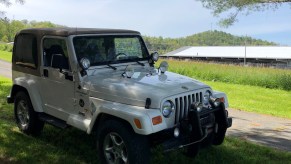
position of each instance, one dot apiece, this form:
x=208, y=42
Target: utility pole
x=245, y=51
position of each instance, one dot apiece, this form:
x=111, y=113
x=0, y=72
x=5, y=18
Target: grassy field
x=74, y=146
x=263, y=77
x=256, y=99
x=4, y=55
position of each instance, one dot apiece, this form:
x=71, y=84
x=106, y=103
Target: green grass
x=263, y=77
x=256, y=99
x=74, y=146
x=7, y=56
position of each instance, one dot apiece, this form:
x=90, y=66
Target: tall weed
x=255, y=76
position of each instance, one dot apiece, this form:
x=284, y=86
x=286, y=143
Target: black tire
x=136, y=147
x=25, y=116
x=218, y=138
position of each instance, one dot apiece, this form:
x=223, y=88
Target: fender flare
x=30, y=87
x=126, y=113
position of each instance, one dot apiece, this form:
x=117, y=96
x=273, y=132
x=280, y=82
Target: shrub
x=6, y=47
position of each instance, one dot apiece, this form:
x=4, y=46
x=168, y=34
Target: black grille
x=183, y=103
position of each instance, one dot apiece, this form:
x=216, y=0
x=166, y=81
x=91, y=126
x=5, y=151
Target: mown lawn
x=74, y=146
x=4, y=55
x=256, y=99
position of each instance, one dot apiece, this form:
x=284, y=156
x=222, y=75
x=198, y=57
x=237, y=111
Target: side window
x=25, y=52
x=55, y=53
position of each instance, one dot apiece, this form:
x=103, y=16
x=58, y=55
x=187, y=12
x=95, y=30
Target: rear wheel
x=25, y=116
x=118, y=143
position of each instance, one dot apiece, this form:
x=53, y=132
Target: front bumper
x=9, y=99
x=209, y=123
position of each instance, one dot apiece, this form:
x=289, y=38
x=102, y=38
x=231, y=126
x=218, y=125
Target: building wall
x=269, y=56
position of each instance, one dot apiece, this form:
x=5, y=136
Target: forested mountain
x=8, y=28
x=207, y=38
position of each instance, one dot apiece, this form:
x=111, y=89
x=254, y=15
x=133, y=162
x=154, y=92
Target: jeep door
x=57, y=86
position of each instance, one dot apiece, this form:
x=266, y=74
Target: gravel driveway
x=5, y=69
x=263, y=129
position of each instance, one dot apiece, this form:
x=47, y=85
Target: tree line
x=8, y=28
x=207, y=38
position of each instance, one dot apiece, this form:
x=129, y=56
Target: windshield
x=110, y=49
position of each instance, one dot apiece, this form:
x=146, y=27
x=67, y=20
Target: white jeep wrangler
x=104, y=81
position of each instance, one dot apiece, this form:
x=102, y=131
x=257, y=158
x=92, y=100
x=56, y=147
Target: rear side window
x=25, y=52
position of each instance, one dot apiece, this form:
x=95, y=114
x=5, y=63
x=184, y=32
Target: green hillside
x=207, y=38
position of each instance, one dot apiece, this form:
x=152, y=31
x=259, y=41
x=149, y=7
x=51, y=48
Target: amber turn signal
x=137, y=123
x=157, y=120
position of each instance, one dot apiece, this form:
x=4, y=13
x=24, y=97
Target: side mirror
x=59, y=61
x=155, y=56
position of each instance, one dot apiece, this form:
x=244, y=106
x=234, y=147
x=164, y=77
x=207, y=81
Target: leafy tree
x=234, y=7
x=9, y=28
x=8, y=3
x=4, y=38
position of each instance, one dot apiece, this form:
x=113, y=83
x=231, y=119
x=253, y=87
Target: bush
x=6, y=47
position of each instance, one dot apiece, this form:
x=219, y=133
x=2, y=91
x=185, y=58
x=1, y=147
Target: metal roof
x=256, y=52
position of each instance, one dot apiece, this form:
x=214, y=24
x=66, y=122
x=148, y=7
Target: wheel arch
x=34, y=98
x=17, y=88
x=104, y=117
x=132, y=115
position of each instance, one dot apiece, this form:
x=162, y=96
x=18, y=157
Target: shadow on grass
x=74, y=146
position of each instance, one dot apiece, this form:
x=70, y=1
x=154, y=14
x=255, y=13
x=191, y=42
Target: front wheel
x=25, y=116
x=218, y=138
x=118, y=143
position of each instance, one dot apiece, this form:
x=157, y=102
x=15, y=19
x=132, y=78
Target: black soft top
x=40, y=32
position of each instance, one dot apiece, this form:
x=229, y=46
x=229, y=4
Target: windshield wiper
x=114, y=68
x=138, y=62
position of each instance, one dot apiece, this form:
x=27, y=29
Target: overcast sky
x=167, y=18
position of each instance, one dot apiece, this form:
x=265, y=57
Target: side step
x=53, y=120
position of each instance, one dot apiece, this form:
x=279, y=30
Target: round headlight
x=85, y=63
x=167, y=108
x=206, y=98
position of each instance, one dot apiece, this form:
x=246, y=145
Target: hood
x=112, y=86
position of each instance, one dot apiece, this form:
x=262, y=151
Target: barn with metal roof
x=252, y=55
